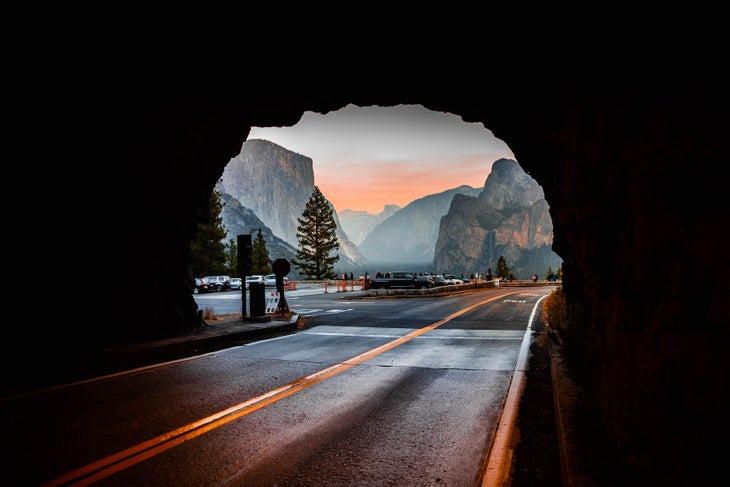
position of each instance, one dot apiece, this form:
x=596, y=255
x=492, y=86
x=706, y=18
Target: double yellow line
x=117, y=462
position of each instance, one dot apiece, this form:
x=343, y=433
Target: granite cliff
x=509, y=218
x=275, y=184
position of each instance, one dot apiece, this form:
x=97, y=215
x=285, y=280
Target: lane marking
x=321, y=311
x=117, y=462
x=495, y=467
x=432, y=337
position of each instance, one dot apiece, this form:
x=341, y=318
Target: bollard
x=325, y=286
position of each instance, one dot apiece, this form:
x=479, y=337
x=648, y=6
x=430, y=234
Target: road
x=388, y=392
x=228, y=302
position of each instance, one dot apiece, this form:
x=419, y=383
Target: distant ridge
x=410, y=234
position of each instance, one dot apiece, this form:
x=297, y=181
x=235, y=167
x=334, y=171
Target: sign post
x=245, y=265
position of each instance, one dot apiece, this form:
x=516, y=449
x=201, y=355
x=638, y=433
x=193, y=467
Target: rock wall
x=638, y=203
x=508, y=218
x=284, y=183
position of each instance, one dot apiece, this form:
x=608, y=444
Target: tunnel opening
x=391, y=173
x=634, y=196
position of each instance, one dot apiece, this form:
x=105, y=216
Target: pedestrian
x=351, y=277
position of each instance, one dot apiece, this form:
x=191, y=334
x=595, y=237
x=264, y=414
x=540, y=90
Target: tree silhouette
x=232, y=258
x=317, y=237
x=260, y=261
x=207, y=251
x=502, y=269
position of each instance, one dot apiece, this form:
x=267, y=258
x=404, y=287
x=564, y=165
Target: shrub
x=555, y=310
x=208, y=314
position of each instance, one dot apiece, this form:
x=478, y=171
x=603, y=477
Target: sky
x=367, y=157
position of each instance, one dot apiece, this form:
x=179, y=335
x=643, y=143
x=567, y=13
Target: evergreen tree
x=317, y=237
x=549, y=273
x=502, y=269
x=260, y=261
x=232, y=258
x=208, y=254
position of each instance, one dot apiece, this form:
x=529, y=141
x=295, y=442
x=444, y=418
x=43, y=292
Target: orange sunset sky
x=366, y=157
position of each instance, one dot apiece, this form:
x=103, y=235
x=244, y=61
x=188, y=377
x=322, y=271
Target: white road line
x=428, y=337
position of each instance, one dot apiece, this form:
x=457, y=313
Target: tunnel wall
x=635, y=195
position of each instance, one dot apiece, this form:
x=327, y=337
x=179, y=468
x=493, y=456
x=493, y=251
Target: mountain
x=350, y=255
x=239, y=220
x=275, y=184
x=357, y=224
x=409, y=235
x=461, y=230
x=509, y=218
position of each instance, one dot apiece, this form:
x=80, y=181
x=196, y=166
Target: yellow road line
x=117, y=462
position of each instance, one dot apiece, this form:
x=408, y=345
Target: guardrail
x=338, y=285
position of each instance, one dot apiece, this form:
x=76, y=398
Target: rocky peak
x=509, y=218
x=509, y=188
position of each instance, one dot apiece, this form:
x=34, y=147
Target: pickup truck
x=399, y=279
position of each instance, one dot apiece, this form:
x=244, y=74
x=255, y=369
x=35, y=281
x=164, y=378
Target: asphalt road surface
x=385, y=392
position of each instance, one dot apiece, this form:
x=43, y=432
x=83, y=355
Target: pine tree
x=317, y=237
x=208, y=254
x=260, y=261
x=502, y=269
x=232, y=258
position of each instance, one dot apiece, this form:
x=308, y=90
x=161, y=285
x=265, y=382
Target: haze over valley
x=267, y=186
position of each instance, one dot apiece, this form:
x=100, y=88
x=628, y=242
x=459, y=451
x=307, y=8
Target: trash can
x=257, y=291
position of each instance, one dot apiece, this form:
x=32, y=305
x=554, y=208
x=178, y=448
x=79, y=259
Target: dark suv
x=218, y=283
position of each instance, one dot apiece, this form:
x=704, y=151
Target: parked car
x=201, y=286
x=452, y=280
x=236, y=282
x=270, y=280
x=255, y=278
x=439, y=280
x=218, y=283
